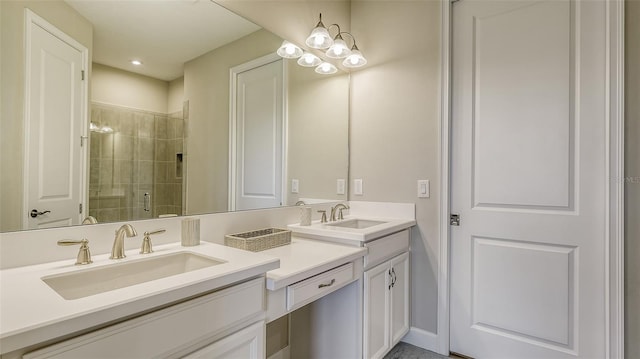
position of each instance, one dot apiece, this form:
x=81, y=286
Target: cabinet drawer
x=310, y=289
x=387, y=247
x=167, y=331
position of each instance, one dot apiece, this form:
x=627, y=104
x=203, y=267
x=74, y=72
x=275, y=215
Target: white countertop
x=32, y=312
x=352, y=236
x=304, y=258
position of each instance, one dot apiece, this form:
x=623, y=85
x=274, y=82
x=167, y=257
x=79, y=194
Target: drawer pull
x=327, y=284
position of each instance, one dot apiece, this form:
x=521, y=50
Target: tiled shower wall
x=142, y=155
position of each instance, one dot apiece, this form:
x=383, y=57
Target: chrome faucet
x=338, y=208
x=117, y=252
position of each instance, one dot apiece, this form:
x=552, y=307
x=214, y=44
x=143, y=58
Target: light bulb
x=326, y=68
x=353, y=60
x=309, y=60
x=290, y=49
x=318, y=40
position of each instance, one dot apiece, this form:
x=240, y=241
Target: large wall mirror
x=211, y=121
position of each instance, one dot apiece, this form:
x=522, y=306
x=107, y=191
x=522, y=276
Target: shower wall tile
x=146, y=124
x=138, y=157
x=145, y=149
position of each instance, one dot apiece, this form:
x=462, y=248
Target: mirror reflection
x=208, y=119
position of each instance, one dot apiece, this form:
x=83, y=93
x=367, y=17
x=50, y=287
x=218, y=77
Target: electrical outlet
x=340, y=186
x=357, y=187
x=295, y=186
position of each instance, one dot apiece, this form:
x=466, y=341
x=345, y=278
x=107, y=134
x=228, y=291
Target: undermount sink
x=356, y=223
x=88, y=282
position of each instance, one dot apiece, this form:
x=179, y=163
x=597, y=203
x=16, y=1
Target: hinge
x=82, y=139
x=82, y=74
x=454, y=219
x=80, y=208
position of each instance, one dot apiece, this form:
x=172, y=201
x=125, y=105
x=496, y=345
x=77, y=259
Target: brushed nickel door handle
x=35, y=213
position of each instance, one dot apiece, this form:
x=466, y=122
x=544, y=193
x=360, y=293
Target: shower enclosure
x=136, y=164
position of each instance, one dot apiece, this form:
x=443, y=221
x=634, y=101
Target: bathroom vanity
x=380, y=298
x=343, y=287
x=170, y=316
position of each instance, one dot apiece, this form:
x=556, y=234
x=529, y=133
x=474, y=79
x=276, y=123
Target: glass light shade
x=355, y=59
x=309, y=60
x=319, y=38
x=289, y=50
x=339, y=49
x=326, y=68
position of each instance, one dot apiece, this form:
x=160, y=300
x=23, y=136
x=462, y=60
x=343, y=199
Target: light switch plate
x=423, y=189
x=340, y=186
x=357, y=187
x=295, y=184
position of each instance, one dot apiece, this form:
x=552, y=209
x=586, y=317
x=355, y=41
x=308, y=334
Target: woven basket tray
x=259, y=240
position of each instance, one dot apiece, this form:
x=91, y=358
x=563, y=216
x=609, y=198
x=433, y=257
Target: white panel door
x=259, y=137
x=528, y=179
x=54, y=125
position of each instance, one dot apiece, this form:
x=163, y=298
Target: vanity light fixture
x=309, y=60
x=336, y=48
x=339, y=49
x=355, y=58
x=319, y=37
x=326, y=68
x=289, y=50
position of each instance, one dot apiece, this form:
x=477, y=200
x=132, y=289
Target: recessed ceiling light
x=136, y=62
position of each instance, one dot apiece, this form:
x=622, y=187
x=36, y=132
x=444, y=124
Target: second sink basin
x=88, y=282
x=356, y=223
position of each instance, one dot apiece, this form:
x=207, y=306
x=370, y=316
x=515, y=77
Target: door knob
x=35, y=213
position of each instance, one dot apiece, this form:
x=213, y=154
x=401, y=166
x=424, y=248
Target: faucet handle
x=324, y=216
x=340, y=215
x=147, y=247
x=84, y=256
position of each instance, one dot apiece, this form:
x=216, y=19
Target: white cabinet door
x=248, y=343
x=399, y=297
x=377, y=283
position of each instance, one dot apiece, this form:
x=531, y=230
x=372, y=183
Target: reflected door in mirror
x=259, y=137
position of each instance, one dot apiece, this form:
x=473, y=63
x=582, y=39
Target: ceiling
x=163, y=34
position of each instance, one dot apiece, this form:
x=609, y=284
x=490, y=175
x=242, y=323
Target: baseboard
x=422, y=338
x=282, y=354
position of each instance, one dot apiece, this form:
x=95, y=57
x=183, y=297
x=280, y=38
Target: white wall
x=73, y=24
x=318, y=116
x=632, y=185
x=394, y=127
x=176, y=95
x=111, y=86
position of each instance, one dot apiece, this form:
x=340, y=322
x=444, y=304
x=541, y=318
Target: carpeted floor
x=408, y=351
